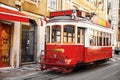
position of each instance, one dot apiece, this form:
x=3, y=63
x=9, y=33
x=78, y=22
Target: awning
x=7, y=14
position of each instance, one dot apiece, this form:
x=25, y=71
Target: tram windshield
x=55, y=34
x=69, y=34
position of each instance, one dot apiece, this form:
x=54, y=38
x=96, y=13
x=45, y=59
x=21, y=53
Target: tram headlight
x=67, y=61
x=42, y=52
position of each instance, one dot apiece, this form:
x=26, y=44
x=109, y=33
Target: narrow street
x=106, y=71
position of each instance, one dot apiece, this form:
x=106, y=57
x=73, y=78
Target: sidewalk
x=20, y=73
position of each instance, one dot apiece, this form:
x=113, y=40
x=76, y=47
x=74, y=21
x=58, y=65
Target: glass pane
x=78, y=35
x=52, y=4
x=83, y=33
x=69, y=33
x=48, y=34
x=91, y=38
x=56, y=33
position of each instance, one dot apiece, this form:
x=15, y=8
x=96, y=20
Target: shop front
x=10, y=36
x=5, y=38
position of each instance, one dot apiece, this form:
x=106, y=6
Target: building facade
x=25, y=40
x=114, y=15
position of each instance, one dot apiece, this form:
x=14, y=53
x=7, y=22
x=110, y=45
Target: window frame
x=51, y=29
x=33, y=2
x=81, y=35
x=51, y=8
x=73, y=36
x=101, y=39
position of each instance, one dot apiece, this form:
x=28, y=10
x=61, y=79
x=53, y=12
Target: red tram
x=72, y=41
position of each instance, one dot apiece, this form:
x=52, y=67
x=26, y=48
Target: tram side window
x=98, y=38
x=69, y=34
x=91, y=38
x=56, y=33
x=100, y=43
x=95, y=37
x=104, y=38
x=109, y=40
x=48, y=34
x=80, y=36
x=107, y=37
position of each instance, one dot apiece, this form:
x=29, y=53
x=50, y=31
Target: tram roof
x=77, y=21
x=66, y=19
x=70, y=19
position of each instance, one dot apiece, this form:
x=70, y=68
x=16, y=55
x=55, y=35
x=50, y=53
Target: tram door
x=28, y=39
x=80, y=42
x=5, y=38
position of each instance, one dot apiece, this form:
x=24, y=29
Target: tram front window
x=56, y=33
x=69, y=34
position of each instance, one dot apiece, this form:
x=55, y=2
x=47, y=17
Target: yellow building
x=98, y=7
x=26, y=39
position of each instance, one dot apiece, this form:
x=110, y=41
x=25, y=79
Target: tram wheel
x=116, y=52
x=67, y=70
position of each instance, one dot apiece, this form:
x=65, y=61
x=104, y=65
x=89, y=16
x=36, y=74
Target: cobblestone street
x=20, y=73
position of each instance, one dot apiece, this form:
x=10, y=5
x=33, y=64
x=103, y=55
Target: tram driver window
x=56, y=33
x=69, y=34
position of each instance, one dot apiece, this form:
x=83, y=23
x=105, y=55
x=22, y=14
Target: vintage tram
x=72, y=41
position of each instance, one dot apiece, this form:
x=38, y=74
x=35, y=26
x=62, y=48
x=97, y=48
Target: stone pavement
x=19, y=73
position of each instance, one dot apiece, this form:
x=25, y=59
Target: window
x=91, y=38
x=48, y=34
x=95, y=3
x=56, y=33
x=99, y=38
x=69, y=34
x=80, y=36
x=109, y=39
x=95, y=37
x=102, y=9
x=52, y=4
x=33, y=2
x=103, y=38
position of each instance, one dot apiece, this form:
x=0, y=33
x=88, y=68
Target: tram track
x=44, y=76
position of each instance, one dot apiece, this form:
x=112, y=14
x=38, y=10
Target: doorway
x=28, y=44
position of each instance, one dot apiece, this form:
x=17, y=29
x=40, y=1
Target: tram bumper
x=53, y=66
x=57, y=65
